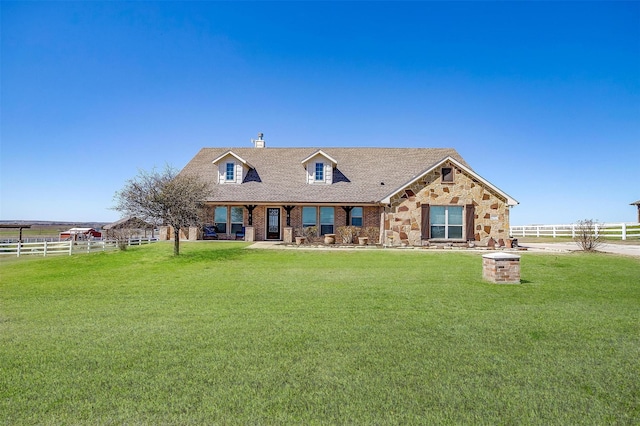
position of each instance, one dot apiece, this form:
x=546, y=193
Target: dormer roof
x=323, y=154
x=234, y=155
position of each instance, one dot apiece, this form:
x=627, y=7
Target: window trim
x=446, y=223
x=231, y=221
x=333, y=219
x=318, y=175
x=231, y=170
x=354, y=216
x=447, y=177
x=226, y=219
x=315, y=216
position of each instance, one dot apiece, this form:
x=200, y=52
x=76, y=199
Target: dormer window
x=319, y=168
x=319, y=172
x=230, y=172
x=231, y=168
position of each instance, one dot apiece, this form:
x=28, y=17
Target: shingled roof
x=362, y=176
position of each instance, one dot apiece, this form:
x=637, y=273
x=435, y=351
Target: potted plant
x=299, y=236
x=329, y=238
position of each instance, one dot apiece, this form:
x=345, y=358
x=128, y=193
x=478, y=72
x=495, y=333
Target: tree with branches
x=164, y=197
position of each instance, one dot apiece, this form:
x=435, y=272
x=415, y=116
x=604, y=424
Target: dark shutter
x=425, y=222
x=470, y=213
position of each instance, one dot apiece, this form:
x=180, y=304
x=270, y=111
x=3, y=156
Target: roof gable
x=510, y=200
x=232, y=154
x=320, y=153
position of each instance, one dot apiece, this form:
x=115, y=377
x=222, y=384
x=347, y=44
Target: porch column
x=250, y=210
x=347, y=210
x=288, y=235
x=249, y=234
x=288, y=210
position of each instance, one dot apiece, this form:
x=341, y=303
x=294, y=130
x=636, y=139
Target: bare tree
x=164, y=197
x=587, y=236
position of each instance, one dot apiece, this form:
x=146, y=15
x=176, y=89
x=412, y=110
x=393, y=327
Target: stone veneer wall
x=404, y=218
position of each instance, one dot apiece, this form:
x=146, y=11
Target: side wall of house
x=491, y=216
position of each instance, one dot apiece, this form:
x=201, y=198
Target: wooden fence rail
x=623, y=231
x=49, y=248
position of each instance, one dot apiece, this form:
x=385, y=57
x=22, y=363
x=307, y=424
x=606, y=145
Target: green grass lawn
x=226, y=335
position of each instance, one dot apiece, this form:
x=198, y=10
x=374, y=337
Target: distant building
x=80, y=234
x=133, y=226
x=637, y=204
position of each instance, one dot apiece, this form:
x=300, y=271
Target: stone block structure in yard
x=501, y=268
x=411, y=196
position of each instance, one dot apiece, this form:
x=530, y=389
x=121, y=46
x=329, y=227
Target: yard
x=226, y=335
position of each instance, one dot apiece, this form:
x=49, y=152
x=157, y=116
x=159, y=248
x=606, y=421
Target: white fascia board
x=510, y=200
x=237, y=157
x=324, y=154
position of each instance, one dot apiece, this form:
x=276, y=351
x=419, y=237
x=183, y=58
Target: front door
x=273, y=223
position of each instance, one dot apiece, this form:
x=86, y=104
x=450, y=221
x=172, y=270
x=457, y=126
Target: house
x=412, y=196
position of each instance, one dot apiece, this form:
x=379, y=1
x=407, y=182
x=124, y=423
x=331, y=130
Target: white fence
x=621, y=231
x=49, y=248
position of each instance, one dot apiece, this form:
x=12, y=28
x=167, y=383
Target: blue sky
x=541, y=98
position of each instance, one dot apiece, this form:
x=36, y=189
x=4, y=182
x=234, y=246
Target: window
x=230, y=176
x=356, y=216
x=220, y=219
x=326, y=220
x=237, y=219
x=446, y=222
x=447, y=174
x=319, y=172
x=308, y=216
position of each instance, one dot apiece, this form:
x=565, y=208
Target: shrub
x=311, y=233
x=587, y=236
x=347, y=233
x=372, y=232
x=121, y=236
